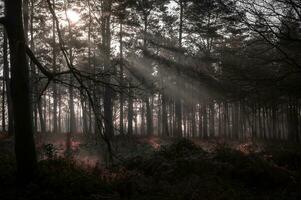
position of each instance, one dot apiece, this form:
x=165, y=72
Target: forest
x=150, y=99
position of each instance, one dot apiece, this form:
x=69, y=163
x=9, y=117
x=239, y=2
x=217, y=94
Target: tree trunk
x=193, y=121
x=20, y=92
x=149, y=118
x=178, y=103
x=212, y=120
x=55, y=70
x=59, y=120
x=205, y=120
x=84, y=114
x=106, y=44
x=72, y=126
x=8, y=86
x=165, y=131
x=3, y=107
x=159, y=116
x=292, y=118
x=200, y=122
x=121, y=80
x=33, y=76
x=130, y=111
x=219, y=121
x=142, y=132
x=235, y=120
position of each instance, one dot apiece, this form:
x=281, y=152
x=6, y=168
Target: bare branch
x=43, y=69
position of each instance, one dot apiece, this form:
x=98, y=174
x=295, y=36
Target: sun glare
x=73, y=16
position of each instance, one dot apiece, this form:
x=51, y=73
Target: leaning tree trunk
x=20, y=92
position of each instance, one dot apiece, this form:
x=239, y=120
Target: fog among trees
x=95, y=81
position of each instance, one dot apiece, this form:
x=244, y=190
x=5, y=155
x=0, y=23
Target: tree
x=106, y=9
x=6, y=77
x=21, y=99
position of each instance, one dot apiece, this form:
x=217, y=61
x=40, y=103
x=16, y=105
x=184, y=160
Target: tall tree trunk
x=219, y=121
x=254, y=124
x=26, y=19
x=106, y=45
x=165, y=131
x=41, y=117
x=170, y=119
x=72, y=127
x=8, y=85
x=235, y=120
x=212, y=119
x=121, y=79
x=159, y=116
x=205, y=120
x=178, y=103
x=89, y=67
x=59, y=120
x=130, y=111
x=149, y=118
x=20, y=92
x=33, y=76
x=72, y=120
x=292, y=119
x=55, y=104
x=200, y=121
x=193, y=122
x=55, y=70
x=260, y=122
x=3, y=107
x=142, y=132
x=184, y=122
x=84, y=114
x=136, y=123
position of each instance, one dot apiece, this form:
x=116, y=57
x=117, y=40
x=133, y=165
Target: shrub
x=49, y=151
x=181, y=148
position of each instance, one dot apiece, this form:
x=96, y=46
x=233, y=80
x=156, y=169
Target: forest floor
x=154, y=168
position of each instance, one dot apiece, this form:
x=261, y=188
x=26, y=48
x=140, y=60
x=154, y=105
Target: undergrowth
x=181, y=170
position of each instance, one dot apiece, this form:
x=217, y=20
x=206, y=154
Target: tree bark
x=54, y=70
x=142, y=132
x=212, y=120
x=130, y=112
x=200, y=121
x=121, y=80
x=106, y=44
x=8, y=86
x=149, y=118
x=20, y=92
x=205, y=121
x=3, y=107
x=72, y=125
x=178, y=103
x=165, y=131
